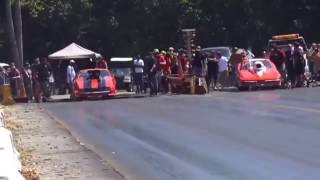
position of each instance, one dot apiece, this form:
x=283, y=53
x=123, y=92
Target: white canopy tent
x=73, y=51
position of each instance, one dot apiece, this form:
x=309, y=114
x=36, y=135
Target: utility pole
x=11, y=33
x=18, y=30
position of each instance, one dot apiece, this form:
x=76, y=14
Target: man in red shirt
x=167, y=65
x=101, y=64
x=165, y=61
x=183, y=60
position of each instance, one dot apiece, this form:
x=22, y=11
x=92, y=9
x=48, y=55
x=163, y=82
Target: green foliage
x=126, y=27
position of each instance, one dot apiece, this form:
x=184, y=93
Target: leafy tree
x=125, y=28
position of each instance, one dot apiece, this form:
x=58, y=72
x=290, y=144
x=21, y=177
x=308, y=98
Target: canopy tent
x=74, y=51
x=4, y=65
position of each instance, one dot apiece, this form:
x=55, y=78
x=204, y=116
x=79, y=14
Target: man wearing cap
x=172, y=56
x=183, y=60
x=167, y=69
x=71, y=74
x=156, y=72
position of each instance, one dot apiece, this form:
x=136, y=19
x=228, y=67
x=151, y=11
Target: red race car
x=93, y=83
x=257, y=73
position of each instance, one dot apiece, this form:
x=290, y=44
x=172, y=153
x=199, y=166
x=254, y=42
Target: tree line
x=124, y=28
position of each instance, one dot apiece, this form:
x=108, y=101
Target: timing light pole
x=188, y=38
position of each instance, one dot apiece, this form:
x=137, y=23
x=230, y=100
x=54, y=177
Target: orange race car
x=257, y=73
x=93, y=83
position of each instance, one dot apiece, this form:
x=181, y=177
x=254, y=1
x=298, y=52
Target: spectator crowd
x=39, y=81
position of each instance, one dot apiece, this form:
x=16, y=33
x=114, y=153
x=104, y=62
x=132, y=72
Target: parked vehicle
x=122, y=70
x=225, y=51
x=283, y=41
x=257, y=73
x=94, y=83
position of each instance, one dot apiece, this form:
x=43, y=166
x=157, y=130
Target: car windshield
x=121, y=71
x=224, y=51
x=94, y=74
x=252, y=63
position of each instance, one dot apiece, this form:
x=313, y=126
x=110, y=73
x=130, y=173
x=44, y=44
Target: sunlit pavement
x=66, y=97
x=265, y=134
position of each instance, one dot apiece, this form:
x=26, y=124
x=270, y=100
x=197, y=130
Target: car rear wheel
x=74, y=98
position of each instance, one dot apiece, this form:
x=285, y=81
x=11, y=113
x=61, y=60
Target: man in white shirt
x=71, y=74
x=138, y=73
x=223, y=70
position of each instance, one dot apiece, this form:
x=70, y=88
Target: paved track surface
x=262, y=135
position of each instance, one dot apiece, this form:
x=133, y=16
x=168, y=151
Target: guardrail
x=10, y=165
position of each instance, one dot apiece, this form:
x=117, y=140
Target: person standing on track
x=299, y=63
x=311, y=58
x=138, y=64
x=290, y=66
x=71, y=74
x=172, y=56
x=278, y=59
x=198, y=62
x=158, y=70
x=183, y=60
x=223, y=70
x=213, y=70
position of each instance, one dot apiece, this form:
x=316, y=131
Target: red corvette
x=257, y=73
x=94, y=83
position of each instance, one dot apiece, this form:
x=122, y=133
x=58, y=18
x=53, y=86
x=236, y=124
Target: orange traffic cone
x=6, y=95
x=21, y=92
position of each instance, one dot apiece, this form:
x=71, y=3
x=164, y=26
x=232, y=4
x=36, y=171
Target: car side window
x=267, y=64
x=246, y=65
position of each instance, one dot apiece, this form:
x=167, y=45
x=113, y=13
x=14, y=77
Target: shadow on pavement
x=58, y=99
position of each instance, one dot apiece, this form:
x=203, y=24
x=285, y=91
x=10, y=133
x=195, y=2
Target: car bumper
x=263, y=83
x=95, y=94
